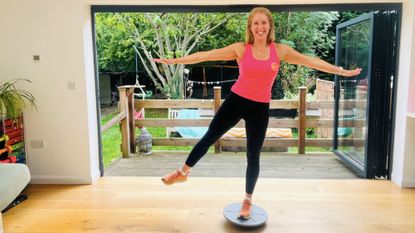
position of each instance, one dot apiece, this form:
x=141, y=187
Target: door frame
x=355, y=165
x=381, y=74
x=232, y=8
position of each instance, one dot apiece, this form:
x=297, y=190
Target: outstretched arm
x=223, y=54
x=293, y=57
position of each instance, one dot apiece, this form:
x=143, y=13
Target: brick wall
x=325, y=91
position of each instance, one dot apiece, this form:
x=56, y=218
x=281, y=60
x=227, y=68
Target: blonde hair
x=249, y=37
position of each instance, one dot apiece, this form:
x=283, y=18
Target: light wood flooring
x=144, y=204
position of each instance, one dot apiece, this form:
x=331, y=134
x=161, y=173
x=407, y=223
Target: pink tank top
x=256, y=76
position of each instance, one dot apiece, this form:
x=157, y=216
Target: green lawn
x=158, y=132
x=111, y=138
x=309, y=134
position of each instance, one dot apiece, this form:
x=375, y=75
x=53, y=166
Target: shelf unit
x=13, y=128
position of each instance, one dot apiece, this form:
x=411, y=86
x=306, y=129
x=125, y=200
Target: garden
x=127, y=42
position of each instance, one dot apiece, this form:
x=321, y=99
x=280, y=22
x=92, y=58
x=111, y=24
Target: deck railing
x=129, y=124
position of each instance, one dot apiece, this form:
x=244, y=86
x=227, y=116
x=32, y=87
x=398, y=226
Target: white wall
x=59, y=31
x=403, y=171
x=411, y=97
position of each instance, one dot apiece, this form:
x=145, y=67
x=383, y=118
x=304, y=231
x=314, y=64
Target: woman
x=259, y=61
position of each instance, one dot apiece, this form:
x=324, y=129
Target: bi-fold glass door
x=363, y=104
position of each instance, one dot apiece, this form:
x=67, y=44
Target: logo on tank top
x=274, y=66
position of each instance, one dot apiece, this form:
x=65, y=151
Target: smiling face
x=260, y=26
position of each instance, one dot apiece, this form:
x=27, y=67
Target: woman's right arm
x=227, y=53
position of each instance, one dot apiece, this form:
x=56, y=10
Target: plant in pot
x=12, y=102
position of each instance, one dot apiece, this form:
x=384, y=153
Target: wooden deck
x=230, y=164
x=144, y=204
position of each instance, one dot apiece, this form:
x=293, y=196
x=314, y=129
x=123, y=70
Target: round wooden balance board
x=258, y=216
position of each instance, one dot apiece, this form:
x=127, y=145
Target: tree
x=307, y=32
x=114, y=46
x=231, y=31
x=168, y=35
x=177, y=34
x=329, y=54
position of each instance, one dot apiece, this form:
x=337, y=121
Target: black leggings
x=235, y=108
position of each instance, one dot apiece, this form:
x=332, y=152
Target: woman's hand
x=164, y=60
x=291, y=56
x=350, y=73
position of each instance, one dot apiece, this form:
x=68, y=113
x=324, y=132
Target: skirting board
x=402, y=182
x=42, y=179
x=408, y=183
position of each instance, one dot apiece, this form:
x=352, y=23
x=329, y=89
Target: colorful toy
x=6, y=151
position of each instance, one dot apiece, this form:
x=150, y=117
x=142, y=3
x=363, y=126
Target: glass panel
x=355, y=47
x=354, y=52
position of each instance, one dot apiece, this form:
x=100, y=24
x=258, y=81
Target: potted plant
x=12, y=102
x=13, y=99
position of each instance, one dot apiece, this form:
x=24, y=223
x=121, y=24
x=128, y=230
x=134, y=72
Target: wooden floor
x=144, y=204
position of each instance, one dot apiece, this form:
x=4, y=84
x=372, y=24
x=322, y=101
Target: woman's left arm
x=291, y=56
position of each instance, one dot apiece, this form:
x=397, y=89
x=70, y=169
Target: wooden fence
x=129, y=124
